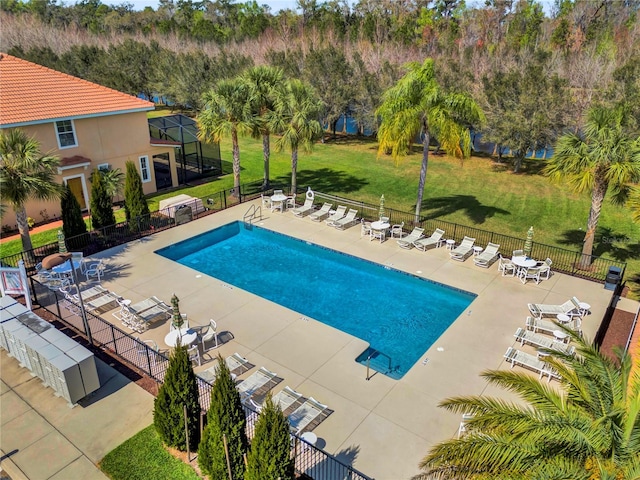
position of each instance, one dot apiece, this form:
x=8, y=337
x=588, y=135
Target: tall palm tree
x=262, y=80
x=634, y=204
x=602, y=157
x=227, y=112
x=25, y=174
x=587, y=429
x=295, y=118
x=418, y=106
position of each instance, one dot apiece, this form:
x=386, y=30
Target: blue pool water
x=400, y=315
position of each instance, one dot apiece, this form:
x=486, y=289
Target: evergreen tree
x=135, y=203
x=72, y=221
x=225, y=417
x=270, y=454
x=101, y=206
x=179, y=389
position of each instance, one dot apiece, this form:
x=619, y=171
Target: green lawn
x=478, y=192
x=143, y=457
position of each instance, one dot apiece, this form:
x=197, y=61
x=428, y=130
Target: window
x=104, y=167
x=66, y=134
x=144, y=169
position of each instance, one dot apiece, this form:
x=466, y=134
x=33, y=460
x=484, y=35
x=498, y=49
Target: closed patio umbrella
x=62, y=246
x=177, y=317
x=528, y=244
x=381, y=212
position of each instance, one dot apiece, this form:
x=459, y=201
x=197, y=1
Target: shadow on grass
x=608, y=243
x=468, y=204
x=326, y=180
x=529, y=166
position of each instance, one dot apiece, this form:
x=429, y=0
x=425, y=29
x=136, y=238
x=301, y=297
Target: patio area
x=383, y=427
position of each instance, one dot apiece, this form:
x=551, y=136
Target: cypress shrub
x=101, y=206
x=225, y=416
x=179, y=388
x=270, y=454
x=72, y=221
x=135, y=203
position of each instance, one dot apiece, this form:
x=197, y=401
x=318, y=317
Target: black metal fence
x=565, y=261
x=309, y=459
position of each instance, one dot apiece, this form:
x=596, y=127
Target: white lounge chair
x=488, y=256
x=517, y=357
x=541, y=341
x=321, y=214
x=340, y=212
x=349, y=220
x=462, y=251
x=407, y=242
x=286, y=399
x=435, y=240
x=549, y=326
x=305, y=209
x=238, y=364
x=257, y=383
x=571, y=308
x=304, y=416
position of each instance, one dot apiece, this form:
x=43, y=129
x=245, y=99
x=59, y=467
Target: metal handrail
x=369, y=361
x=252, y=212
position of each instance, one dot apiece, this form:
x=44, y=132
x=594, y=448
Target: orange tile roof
x=31, y=93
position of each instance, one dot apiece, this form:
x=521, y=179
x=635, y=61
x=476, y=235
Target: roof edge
x=76, y=117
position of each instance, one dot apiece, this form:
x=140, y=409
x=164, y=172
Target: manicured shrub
x=270, y=453
x=72, y=221
x=135, y=203
x=179, y=389
x=101, y=206
x=225, y=417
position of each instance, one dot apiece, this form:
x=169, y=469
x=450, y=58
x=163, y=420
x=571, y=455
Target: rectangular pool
x=398, y=314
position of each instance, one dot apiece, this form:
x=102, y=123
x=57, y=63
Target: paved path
x=43, y=438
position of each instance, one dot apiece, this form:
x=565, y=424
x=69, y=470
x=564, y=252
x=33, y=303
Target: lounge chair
x=571, y=308
x=541, y=341
x=340, y=212
x=462, y=251
x=407, y=242
x=548, y=326
x=305, y=209
x=238, y=364
x=516, y=357
x=435, y=240
x=321, y=214
x=306, y=415
x=257, y=384
x=349, y=220
x=288, y=400
x=488, y=256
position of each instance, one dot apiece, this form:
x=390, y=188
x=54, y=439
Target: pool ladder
x=253, y=212
x=376, y=353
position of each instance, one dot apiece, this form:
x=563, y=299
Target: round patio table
x=186, y=335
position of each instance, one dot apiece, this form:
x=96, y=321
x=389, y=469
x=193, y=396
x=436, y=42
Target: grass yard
x=143, y=457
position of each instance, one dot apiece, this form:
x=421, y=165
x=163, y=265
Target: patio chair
x=94, y=271
x=290, y=202
x=532, y=273
x=257, y=383
x=340, y=212
x=305, y=209
x=306, y=415
x=407, y=242
x=397, y=230
x=287, y=399
x=488, y=256
x=79, y=258
x=435, y=240
x=506, y=266
x=541, y=341
x=526, y=360
x=321, y=214
x=365, y=228
x=375, y=234
x=349, y=220
x=143, y=347
x=545, y=268
x=571, y=308
x=464, y=250
x=210, y=334
x=194, y=354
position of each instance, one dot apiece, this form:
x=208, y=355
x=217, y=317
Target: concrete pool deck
x=383, y=427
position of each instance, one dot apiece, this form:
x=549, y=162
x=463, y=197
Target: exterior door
x=75, y=184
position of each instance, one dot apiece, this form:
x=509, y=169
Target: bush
x=179, y=389
x=72, y=221
x=135, y=203
x=225, y=417
x=270, y=454
x=101, y=206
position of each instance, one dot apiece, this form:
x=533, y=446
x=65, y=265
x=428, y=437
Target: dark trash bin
x=613, y=278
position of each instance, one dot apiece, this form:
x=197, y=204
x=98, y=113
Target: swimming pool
x=400, y=315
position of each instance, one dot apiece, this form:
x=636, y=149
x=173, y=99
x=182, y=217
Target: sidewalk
x=43, y=438
x=41, y=228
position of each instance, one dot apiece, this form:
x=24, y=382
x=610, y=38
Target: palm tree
x=227, y=112
x=417, y=105
x=26, y=174
x=262, y=80
x=587, y=429
x=113, y=180
x=634, y=204
x=602, y=157
x=295, y=118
